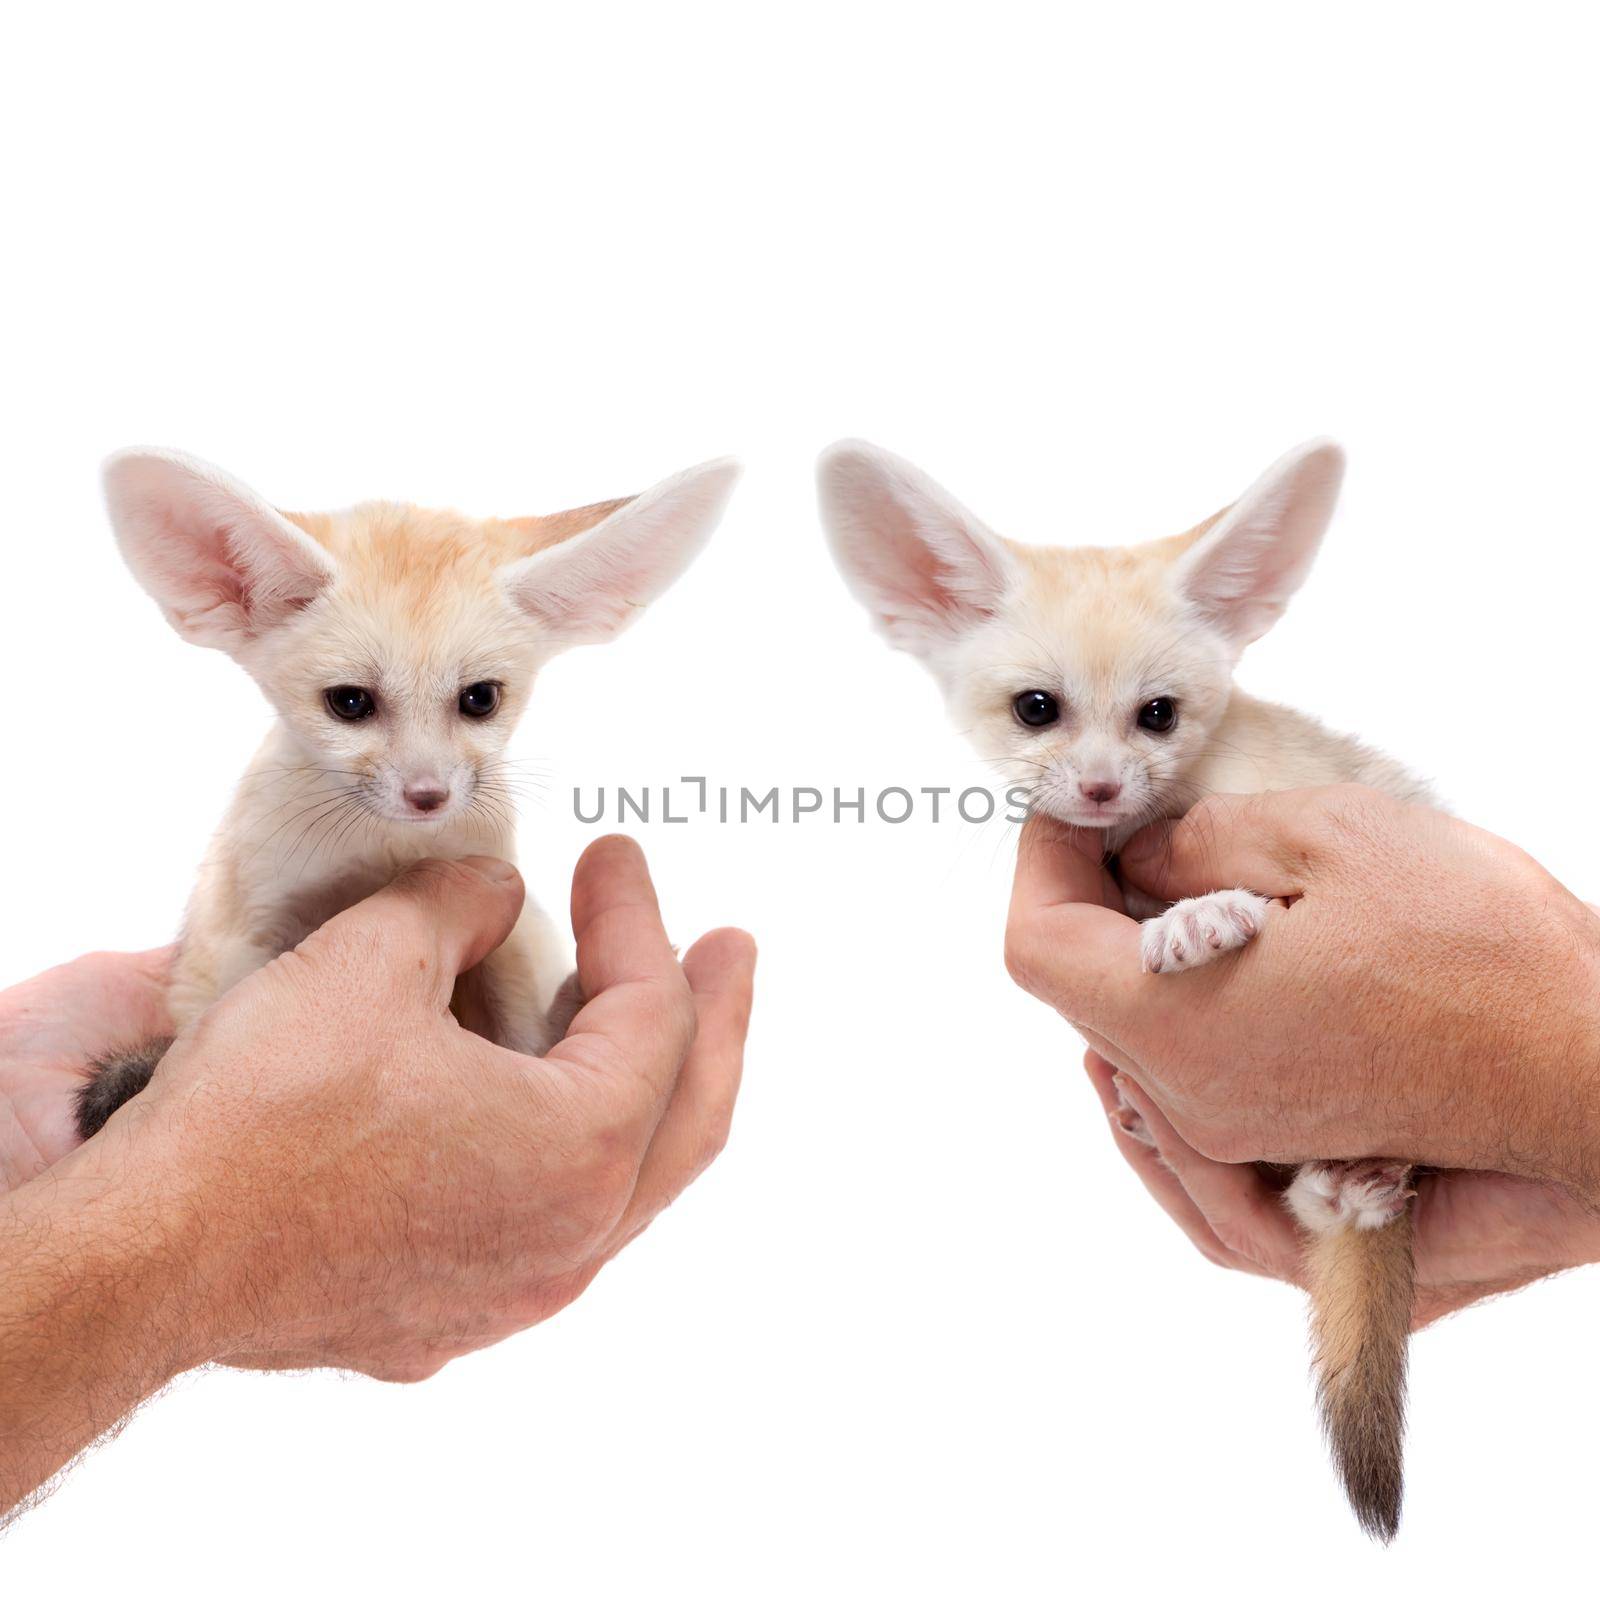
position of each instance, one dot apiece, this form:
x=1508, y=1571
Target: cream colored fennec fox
x=1101, y=681
x=398, y=647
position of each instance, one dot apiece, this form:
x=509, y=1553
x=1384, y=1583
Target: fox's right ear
x=220, y=562
x=921, y=563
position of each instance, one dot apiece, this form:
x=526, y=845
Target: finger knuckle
x=603, y=1180
x=416, y=1367
x=1196, y=837
x=717, y=1129
x=1213, y=812
x=1233, y=1235
x=433, y=880
x=668, y=1011
x=1352, y=812
x=1217, y=1255
x=100, y=967
x=1214, y=1141
x=429, y=873
x=1022, y=961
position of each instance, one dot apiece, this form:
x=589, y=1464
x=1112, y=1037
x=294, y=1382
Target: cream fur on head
x=1102, y=632
x=399, y=646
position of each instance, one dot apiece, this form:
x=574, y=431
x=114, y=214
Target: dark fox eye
x=1159, y=715
x=1036, y=709
x=480, y=699
x=349, y=703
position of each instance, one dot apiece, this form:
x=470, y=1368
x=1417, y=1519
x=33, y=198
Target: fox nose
x=1099, y=792
x=426, y=797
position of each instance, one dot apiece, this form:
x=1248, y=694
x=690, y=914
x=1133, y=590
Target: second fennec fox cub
x=398, y=647
x=1101, y=681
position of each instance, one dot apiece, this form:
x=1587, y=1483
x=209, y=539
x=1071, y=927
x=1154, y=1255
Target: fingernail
x=491, y=868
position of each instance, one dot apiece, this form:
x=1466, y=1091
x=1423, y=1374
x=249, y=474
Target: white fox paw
x=1196, y=931
x=1338, y=1194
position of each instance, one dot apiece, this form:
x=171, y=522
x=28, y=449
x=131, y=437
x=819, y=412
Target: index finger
x=640, y=1017
x=1233, y=841
x=1064, y=941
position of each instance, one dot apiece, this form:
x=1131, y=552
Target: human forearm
x=99, y=1309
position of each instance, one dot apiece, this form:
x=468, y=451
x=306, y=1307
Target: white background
x=920, y=1332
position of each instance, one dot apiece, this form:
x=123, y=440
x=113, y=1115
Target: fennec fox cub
x=398, y=647
x=1101, y=681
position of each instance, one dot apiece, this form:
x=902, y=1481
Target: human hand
x=50, y=1028
x=354, y=1180
x=1429, y=992
x=1474, y=1234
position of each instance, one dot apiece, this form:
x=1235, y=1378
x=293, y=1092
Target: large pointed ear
x=921, y=563
x=219, y=561
x=590, y=586
x=1241, y=572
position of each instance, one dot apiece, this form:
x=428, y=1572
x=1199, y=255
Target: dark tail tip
x=1361, y=1294
x=1373, y=1482
x=114, y=1080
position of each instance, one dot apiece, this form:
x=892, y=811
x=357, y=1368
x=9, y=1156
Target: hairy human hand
x=1474, y=1234
x=327, y=1170
x=1421, y=990
x=50, y=1027
x=369, y=1185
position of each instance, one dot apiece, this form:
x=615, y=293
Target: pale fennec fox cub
x=1101, y=680
x=398, y=647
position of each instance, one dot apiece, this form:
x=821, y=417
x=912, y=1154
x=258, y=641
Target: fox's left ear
x=590, y=586
x=1242, y=571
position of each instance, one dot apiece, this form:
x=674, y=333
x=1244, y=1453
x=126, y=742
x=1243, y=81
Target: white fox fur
x=1101, y=681
x=412, y=608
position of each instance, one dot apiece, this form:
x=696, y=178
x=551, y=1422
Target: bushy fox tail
x=112, y=1081
x=1361, y=1282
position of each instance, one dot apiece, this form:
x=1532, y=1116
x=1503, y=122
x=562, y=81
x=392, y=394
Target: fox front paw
x=1341, y=1194
x=1196, y=931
